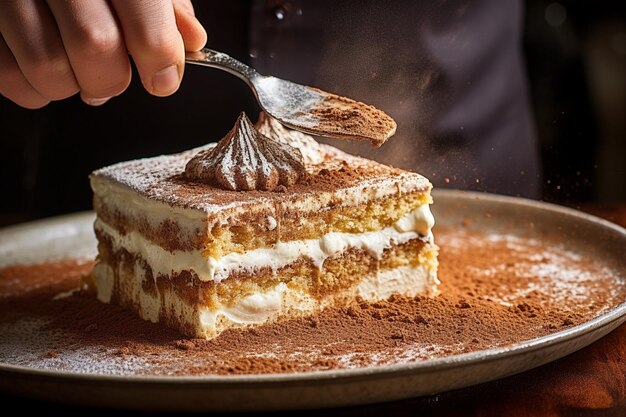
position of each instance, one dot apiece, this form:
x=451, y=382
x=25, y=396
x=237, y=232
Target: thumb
x=193, y=33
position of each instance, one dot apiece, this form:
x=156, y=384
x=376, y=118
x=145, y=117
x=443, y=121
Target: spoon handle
x=214, y=59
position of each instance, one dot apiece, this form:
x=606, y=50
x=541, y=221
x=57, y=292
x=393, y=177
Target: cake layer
x=415, y=224
x=205, y=309
x=337, y=272
x=342, y=193
x=128, y=213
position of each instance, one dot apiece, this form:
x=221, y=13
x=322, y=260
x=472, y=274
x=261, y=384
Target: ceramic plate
x=72, y=235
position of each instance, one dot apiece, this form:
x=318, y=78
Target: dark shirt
x=450, y=72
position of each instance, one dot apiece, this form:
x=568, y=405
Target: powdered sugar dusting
x=55, y=349
x=311, y=151
x=557, y=271
x=161, y=179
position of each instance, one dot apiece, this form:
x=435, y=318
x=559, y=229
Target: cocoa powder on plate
x=496, y=290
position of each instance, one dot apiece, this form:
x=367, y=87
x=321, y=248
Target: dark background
x=576, y=63
x=576, y=59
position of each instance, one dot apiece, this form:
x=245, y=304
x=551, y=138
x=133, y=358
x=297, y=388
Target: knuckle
x=52, y=77
x=35, y=66
x=165, y=45
x=94, y=42
x=45, y=69
x=101, y=67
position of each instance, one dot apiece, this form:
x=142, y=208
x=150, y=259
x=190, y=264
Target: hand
x=52, y=49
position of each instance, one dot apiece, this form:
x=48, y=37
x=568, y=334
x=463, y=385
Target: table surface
x=590, y=382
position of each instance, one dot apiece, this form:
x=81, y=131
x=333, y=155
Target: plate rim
x=617, y=313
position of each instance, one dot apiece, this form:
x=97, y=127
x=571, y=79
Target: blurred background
x=575, y=63
x=576, y=60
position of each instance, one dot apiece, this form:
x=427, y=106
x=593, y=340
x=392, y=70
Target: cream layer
x=133, y=205
x=416, y=224
x=266, y=307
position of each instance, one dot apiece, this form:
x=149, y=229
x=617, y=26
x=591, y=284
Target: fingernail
x=166, y=81
x=96, y=101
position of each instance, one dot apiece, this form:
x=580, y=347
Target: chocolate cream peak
x=246, y=160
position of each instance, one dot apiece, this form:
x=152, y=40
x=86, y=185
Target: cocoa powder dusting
x=496, y=290
x=344, y=118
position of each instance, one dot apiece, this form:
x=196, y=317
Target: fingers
x=192, y=31
x=154, y=42
x=13, y=84
x=51, y=49
x=31, y=34
x=95, y=47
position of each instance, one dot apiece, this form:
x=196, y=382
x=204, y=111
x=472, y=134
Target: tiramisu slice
x=266, y=225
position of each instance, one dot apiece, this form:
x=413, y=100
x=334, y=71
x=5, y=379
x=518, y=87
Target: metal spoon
x=305, y=108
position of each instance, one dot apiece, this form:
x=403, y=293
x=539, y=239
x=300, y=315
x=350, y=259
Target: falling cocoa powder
x=496, y=290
